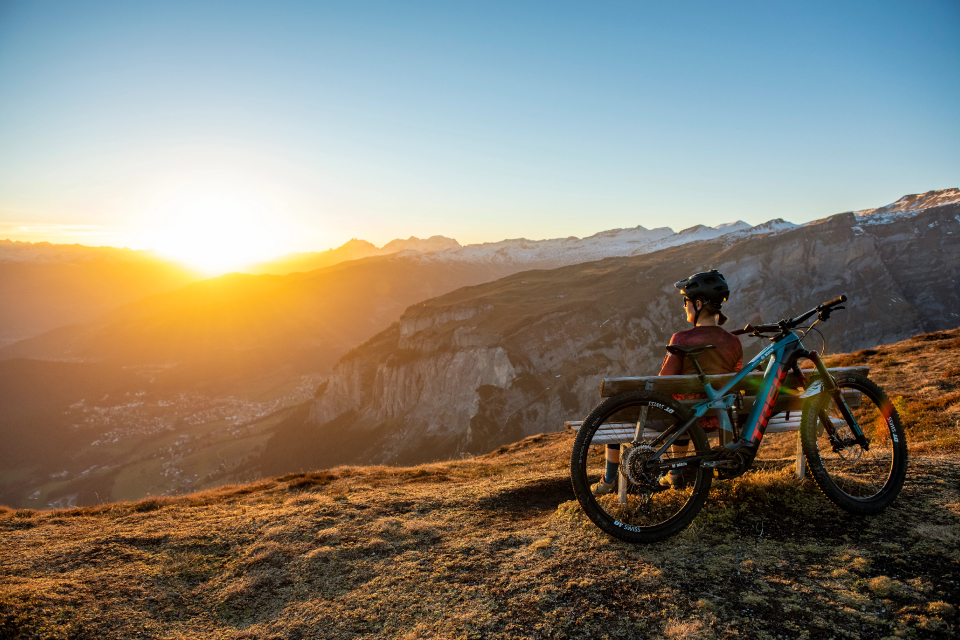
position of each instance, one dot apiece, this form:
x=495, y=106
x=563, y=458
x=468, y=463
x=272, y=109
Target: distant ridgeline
x=44, y=286
x=486, y=365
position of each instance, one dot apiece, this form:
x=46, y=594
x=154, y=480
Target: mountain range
x=44, y=286
x=353, y=249
x=486, y=365
x=237, y=331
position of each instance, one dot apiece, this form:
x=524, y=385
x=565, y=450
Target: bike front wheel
x=860, y=480
x=643, y=507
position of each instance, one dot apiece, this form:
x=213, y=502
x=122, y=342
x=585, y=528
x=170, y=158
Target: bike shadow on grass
x=768, y=501
x=531, y=500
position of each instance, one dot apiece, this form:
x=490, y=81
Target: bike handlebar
x=824, y=310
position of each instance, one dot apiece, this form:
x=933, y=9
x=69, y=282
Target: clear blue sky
x=478, y=121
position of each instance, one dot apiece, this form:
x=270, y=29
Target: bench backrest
x=691, y=384
x=788, y=400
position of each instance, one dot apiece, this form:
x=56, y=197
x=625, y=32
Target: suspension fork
x=802, y=382
x=830, y=386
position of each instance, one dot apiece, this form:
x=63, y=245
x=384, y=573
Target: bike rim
x=644, y=504
x=860, y=474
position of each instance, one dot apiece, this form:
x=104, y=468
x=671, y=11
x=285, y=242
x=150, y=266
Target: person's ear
x=699, y=304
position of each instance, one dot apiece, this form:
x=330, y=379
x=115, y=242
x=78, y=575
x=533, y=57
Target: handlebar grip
x=835, y=301
x=740, y=332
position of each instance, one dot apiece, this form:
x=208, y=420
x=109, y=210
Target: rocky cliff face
x=486, y=365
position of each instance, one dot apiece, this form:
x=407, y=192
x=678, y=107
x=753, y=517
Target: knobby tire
x=860, y=482
x=582, y=477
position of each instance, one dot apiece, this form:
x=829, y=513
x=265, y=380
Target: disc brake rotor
x=850, y=451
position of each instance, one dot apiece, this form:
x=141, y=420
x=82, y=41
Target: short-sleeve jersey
x=726, y=358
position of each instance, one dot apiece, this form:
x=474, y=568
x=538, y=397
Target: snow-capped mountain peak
x=556, y=252
x=413, y=243
x=908, y=206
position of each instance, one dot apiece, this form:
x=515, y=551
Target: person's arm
x=672, y=365
x=739, y=348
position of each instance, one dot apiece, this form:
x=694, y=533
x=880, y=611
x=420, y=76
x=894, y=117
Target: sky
x=294, y=126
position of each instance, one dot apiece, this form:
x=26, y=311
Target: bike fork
x=830, y=386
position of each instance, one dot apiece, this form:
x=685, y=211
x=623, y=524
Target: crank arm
x=691, y=462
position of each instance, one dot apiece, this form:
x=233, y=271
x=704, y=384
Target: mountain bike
x=850, y=434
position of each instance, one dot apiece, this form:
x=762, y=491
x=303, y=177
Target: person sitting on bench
x=703, y=295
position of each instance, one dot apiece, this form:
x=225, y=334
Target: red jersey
x=726, y=358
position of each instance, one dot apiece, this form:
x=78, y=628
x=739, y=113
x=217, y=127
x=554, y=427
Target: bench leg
x=621, y=482
x=801, y=461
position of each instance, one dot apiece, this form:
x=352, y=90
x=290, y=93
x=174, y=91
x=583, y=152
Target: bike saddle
x=693, y=352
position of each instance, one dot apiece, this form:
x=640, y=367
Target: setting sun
x=215, y=234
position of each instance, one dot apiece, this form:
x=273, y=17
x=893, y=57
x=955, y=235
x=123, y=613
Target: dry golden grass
x=496, y=547
x=922, y=378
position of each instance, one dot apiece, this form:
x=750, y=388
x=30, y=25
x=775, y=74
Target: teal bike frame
x=784, y=354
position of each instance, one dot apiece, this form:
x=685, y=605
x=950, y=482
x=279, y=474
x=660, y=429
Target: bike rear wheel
x=860, y=481
x=643, y=511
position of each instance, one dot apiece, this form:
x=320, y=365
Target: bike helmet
x=709, y=285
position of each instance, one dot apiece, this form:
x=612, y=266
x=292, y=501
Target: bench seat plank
x=621, y=432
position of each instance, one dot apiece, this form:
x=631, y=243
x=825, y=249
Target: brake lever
x=824, y=314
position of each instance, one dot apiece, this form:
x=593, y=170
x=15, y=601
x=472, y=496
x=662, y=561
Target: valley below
x=133, y=441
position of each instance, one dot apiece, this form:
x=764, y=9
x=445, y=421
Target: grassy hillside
x=496, y=547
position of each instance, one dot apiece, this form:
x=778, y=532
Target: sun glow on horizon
x=215, y=234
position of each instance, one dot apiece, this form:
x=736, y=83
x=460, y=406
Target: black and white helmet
x=709, y=285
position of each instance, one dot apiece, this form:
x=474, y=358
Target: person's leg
x=613, y=463
x=606, y=483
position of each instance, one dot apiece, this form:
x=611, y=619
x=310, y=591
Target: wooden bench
x=785, y=418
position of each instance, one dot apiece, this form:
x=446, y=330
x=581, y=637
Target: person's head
x=703, y=295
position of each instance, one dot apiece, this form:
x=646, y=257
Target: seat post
x=692, y=353
x=700, y=374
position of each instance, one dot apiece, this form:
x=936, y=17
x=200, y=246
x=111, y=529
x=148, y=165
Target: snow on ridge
x=907, y=207
x=44, y=252
x=727, y=227
x=776, y=225
x=887, y=217
x=413, y=243
x=606, y=244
